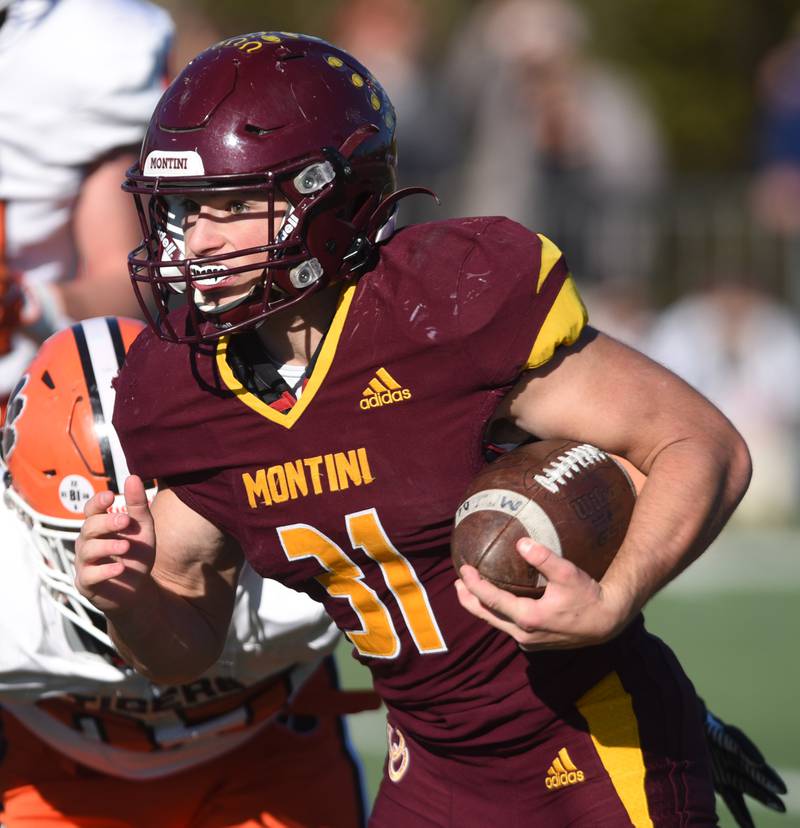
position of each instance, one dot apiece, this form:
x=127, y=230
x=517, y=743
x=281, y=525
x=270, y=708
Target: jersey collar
x=320, y=369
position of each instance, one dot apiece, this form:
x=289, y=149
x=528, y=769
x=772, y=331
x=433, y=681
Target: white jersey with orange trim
x=80, y=79
x=91, y=708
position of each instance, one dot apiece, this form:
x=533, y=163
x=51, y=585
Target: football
x=571, y=497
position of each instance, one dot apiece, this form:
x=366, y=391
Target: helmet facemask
x=304, y=249
x=54, y=540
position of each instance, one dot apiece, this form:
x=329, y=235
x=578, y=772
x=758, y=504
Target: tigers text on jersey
x=103, y=715
x=350, y=496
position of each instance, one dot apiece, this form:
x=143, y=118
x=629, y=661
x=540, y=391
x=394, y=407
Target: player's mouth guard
x=173, y=244
x=301, y=276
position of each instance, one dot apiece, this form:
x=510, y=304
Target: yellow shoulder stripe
x=565, y=319
x=562, y=325
x=550, y=255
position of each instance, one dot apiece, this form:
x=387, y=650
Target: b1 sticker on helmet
x=164, y=163
x=74, y=491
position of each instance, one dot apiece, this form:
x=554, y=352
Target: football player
x=319, y=399
x=258, y=739
x=94, y=70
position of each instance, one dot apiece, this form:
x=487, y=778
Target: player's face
x=223, y=224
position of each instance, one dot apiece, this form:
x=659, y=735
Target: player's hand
x=740, y=770
x=115, y=552
x=575, y=610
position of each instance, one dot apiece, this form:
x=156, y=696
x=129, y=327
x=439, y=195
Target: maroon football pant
x=631, y=752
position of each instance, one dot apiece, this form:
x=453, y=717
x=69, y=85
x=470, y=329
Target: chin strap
x=380, y=215
x=364, y=244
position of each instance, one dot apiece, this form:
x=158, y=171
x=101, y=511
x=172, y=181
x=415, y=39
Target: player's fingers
x=736, y=805
x=528, y=639
x=136, y=498
x=473, y=604
x=98, y=503
x=99, y=549
x=104, y=524
x=555, y=568
x=499, y=602
x=487, y=593
x=752, y=761
x=88, y=578
x=754, y=787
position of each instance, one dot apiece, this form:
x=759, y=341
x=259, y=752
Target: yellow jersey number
x=377, y=637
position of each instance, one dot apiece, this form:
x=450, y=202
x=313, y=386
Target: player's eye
x=190, y=207
x=237, y=208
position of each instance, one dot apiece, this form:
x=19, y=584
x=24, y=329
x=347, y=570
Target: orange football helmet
x=58, y=447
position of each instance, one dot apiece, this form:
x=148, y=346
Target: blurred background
x=658, y=144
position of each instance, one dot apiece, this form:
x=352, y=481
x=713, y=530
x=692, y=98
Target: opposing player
x=80, y=79
x=256, y=740
x=322, y=398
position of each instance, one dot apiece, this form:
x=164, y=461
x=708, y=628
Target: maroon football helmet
x=285, y=117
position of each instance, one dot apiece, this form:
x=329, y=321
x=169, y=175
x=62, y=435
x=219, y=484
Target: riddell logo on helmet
x=383, y=389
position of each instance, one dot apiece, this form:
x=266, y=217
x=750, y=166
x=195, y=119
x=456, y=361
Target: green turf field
x=732, y=618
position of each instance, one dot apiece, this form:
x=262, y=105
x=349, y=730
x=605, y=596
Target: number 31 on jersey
x=344, y=579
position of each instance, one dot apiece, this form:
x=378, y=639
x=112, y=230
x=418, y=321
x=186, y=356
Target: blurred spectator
x=621, y=311
x=776, y=195
x=392, y=38
x=79, y=81
x=194, y=31
x=741, y=349
x=558, y=141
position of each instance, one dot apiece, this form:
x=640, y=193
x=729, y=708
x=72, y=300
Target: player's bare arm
x=168, y=603
x=697, y=466
x=105, y=228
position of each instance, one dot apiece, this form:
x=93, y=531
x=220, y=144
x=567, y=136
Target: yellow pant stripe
x=608, y=711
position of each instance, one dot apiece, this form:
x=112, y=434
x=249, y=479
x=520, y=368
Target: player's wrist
x=140, y=617
x=620, y=603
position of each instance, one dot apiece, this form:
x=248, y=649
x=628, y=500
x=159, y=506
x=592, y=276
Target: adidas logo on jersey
x=562, y=772
x=383, y=389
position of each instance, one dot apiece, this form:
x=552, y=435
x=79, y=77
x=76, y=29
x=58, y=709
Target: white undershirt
x=293, y=376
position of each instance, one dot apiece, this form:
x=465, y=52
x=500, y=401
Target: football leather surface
x=569, y=496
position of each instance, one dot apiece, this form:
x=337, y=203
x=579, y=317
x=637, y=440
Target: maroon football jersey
x=350, y=495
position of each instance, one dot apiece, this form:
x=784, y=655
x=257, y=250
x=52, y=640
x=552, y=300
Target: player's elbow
x=740, y=466
x=171, y=674
x=169, y=662
x=733, y=458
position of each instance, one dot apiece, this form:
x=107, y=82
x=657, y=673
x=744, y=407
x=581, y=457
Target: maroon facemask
x=288, y=118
